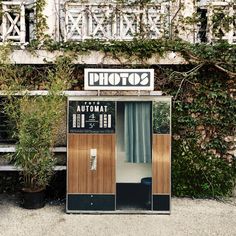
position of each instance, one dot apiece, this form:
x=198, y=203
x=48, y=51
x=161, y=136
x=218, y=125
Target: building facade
x=41, y=31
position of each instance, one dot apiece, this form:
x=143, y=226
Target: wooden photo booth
x=119, y=154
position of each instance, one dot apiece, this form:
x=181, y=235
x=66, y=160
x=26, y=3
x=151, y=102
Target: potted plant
x=37, y=127
x=37, y=119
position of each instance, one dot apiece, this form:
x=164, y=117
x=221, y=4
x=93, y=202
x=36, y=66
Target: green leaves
x=203, y=117
x=161, y=117
x=199, y=174
x=37, y=119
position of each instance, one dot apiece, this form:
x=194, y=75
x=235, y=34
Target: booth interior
x=131, y=194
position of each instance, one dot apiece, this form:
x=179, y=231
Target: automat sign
x=119, y=79
x=91, y=117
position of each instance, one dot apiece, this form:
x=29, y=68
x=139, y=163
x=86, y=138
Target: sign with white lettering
x=91, y=117
x=119, y=79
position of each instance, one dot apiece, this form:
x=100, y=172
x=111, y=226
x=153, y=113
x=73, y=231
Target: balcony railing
x=221, y=17
x=113, y=21
x=80, y=21
x=13, y=22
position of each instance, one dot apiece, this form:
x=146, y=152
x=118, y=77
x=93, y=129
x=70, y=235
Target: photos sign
x=119, y=79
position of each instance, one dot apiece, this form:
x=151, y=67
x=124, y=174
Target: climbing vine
x=203, y=133
x=222, y=55
x=41, y=23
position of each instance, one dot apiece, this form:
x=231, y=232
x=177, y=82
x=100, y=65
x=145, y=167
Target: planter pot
x=33, y=200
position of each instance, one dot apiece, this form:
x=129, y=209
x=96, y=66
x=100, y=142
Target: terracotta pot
x=33, y=199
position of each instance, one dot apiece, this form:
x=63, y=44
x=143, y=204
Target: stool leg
x=149, y=197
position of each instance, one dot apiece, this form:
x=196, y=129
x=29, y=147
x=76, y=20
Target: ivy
x=203, y=119
x=41, y=24
x=221, y=54
x=200, y=174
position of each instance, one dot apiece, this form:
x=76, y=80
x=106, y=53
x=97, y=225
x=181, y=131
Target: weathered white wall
x=52, y=14
x=181, y=12
x=93, y=57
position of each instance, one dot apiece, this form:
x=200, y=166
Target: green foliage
x=200, y=174
x=37, y=119
x=221, y=21
x=36, y=124
x=140, y=48
x=161, y=117
x=41, y=24
x=221, y=54
x=203, y=116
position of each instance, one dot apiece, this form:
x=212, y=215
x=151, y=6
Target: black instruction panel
x=91, y=117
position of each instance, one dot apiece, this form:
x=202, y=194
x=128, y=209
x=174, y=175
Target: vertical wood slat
x=161, y=164
x=72, y=165
x=80, y=178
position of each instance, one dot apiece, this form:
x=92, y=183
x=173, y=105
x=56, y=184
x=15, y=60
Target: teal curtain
x=137, y=132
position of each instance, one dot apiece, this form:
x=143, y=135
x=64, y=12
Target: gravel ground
x=188, y=217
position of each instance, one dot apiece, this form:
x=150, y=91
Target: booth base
x=161, y=202
x=90, y=202
x=121, y=212
x=106, y=204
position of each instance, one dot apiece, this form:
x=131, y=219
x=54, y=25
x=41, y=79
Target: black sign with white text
x=91, y=117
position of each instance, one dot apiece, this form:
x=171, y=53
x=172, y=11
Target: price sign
x=91, y=117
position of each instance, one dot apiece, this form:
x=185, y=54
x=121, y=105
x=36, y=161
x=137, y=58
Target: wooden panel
x=161, y=164
x=80, y=178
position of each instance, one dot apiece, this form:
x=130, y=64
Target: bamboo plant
x=36, y=120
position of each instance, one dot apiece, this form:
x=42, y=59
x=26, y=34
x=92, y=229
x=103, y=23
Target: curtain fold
x=138, y=132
